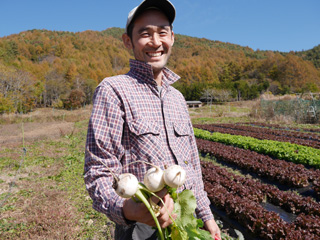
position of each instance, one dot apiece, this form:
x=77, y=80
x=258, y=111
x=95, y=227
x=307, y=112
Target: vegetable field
x=262, y=179
x=262, y=186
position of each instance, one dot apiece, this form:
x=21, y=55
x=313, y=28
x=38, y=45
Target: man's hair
x=130, y=29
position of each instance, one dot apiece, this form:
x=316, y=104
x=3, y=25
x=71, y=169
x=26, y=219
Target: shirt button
x=186, y=162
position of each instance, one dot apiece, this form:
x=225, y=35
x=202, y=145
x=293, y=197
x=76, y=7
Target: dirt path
x=13, y=134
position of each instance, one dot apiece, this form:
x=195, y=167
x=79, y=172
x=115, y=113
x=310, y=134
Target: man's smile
x=155, y=54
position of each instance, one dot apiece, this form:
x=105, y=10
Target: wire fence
x=300, y=110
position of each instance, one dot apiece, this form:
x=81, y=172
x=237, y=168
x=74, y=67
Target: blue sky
x=282, y=25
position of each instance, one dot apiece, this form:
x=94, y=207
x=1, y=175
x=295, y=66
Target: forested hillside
x=62, y=69
x=312, y=55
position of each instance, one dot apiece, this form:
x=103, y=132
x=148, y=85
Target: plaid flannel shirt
x=130, y=122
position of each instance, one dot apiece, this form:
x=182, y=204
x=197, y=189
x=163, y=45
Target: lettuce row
x=280, y=150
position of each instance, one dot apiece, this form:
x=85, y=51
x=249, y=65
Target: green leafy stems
x=185, y=226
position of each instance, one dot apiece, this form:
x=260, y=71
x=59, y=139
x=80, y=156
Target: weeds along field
x=42, y=192
x=254, y=194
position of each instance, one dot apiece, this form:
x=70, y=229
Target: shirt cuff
x=205, y=214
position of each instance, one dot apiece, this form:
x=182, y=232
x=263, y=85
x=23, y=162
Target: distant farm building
x=193, y=104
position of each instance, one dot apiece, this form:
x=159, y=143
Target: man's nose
x=156, y=40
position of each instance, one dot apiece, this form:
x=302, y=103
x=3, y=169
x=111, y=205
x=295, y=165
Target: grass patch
x=52, y=202
x=211, y=120
x=215, y=162
x=9, y=163
x=221, y=113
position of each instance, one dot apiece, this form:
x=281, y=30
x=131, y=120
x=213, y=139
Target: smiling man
x=151, y=38
x=139, y=117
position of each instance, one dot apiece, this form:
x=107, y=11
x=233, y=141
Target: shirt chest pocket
x=142, y=127
x=145, y=141
x=181, y=145
x=180, y=141
x=181, y=129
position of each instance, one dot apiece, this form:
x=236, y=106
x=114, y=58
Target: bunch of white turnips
x=187, y=227
x=155, y=179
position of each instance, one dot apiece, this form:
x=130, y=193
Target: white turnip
x=153, y=179
x=174, y=176
x=127, y=185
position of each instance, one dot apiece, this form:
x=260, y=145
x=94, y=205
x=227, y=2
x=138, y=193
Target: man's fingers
x=160, y=194
x=166, y=212
x=169, y=205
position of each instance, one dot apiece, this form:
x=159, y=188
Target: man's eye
x=163, y=34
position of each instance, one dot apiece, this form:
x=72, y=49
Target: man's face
x=152, y=39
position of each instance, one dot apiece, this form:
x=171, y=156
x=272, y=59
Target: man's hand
x=213, y=228
x=138, y=211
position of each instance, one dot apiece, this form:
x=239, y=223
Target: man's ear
x=172, y=35
x=127, y=41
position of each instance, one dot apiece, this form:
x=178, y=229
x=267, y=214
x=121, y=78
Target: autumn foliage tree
x=75, y=99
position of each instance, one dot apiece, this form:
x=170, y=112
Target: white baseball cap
x=163, y=5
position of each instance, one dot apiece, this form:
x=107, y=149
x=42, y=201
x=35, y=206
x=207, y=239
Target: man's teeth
x=157, y=54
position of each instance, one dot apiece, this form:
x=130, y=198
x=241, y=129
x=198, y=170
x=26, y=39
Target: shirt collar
x=144, y=71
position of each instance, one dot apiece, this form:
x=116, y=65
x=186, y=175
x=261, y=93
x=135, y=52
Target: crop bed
x=280, y=171
x=241, y=198
x=279, y=127
x=277, y=195
x=301, y=138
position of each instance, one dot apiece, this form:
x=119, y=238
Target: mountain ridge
x=55, y=63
